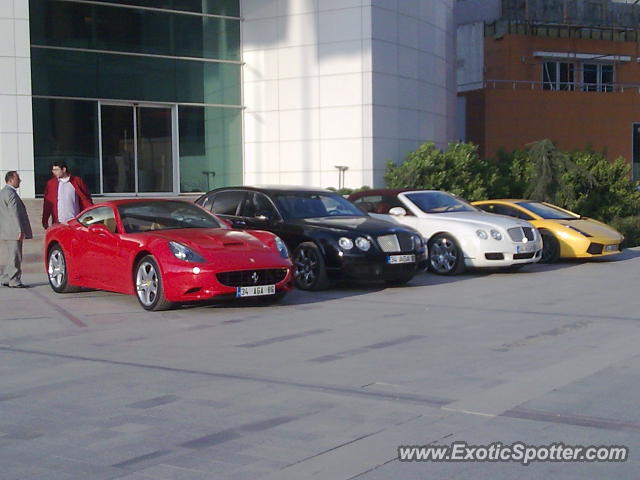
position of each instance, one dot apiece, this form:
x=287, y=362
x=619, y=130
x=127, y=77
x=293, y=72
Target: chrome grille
x=518, y=234
x=405, y=240
x=389, y=243
x=528, y=232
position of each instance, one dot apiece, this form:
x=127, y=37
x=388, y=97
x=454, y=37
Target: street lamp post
x=341, y=170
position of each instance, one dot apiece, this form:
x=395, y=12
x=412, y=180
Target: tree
x=548, y=168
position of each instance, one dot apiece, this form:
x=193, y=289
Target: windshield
x=547, y=211
x=165, y=215
x=439, y=202
x=314, y=205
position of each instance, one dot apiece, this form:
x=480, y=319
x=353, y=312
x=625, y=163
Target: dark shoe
x=19, y=285
x=5, y=284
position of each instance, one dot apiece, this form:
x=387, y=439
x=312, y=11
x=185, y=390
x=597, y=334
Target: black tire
x=550, y=247
x=399, y=281
x=310, y=271
x=58, y=271
x=148, y=285
x=445, y=256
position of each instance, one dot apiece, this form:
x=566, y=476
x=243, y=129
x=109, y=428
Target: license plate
x=256, y=291
x=611, y=248
x=392, y=259
x=525, y=248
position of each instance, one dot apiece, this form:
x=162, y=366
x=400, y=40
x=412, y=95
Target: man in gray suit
x=14, y=228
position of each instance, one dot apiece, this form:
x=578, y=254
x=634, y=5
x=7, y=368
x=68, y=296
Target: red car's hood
x=214, y=240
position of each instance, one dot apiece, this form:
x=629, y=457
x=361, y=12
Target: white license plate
x=611, y=248
x=256, y=291
x=525, y=248
x=392, y=259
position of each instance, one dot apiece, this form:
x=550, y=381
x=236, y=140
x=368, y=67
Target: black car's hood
x=364, y=225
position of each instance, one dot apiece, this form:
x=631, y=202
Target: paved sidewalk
x=326, y=385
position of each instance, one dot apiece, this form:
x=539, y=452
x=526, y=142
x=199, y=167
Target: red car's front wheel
x=149, y=286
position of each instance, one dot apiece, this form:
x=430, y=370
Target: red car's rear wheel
x=58, y=272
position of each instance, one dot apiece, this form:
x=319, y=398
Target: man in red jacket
x=65, y=196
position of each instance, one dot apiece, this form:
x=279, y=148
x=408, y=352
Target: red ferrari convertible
x=165, y=252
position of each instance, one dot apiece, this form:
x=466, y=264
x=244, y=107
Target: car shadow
x=337, y=290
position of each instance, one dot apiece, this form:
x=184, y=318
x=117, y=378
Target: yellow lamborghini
x=564, y=233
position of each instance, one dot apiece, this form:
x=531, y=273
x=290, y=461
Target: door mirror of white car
x=397, y=212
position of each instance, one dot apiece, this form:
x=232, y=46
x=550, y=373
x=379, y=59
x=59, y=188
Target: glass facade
x=59, y=23
x=136, y=68
x=63, y=73
x=208, y=136
x=66, y=131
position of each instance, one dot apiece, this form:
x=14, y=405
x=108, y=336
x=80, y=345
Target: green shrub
x=582, y=181
x=344, y=191
x=458, y=170
x=599, y=188
x=630, y=228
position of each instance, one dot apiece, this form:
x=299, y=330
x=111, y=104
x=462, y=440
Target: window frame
x=556, y=83
x=599, y=86
x=100, y=221
x=239, y=207
x=249, y=197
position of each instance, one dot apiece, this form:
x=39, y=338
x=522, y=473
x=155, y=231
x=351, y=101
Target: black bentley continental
x=329, y=238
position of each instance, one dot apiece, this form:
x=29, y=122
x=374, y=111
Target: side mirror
x=100, y=229
x=397, y=212
x=263, y=216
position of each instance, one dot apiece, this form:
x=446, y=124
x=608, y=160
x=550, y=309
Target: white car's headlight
x=363, y=244
x=345, y=243
x=496, y=235
x=282, y=248
x=482, y=234
x=183, y=252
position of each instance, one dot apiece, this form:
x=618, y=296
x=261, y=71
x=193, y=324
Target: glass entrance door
x=137, y=149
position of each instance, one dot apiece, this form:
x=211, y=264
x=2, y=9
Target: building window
x=558, y=76
x=64, y=24
x=210, y=148
x=597, y=77
x=66, y=131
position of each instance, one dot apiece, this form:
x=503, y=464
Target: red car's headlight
x=183, y=252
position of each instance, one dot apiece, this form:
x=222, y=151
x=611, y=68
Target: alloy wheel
x=306, y=267
x=443, y=255
x=147, y=283
x=57, y=269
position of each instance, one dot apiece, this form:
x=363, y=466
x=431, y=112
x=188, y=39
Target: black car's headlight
x=418, y=242
x=345, y=243
x=183, y=252
x=361, y=243
x=282, y=248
